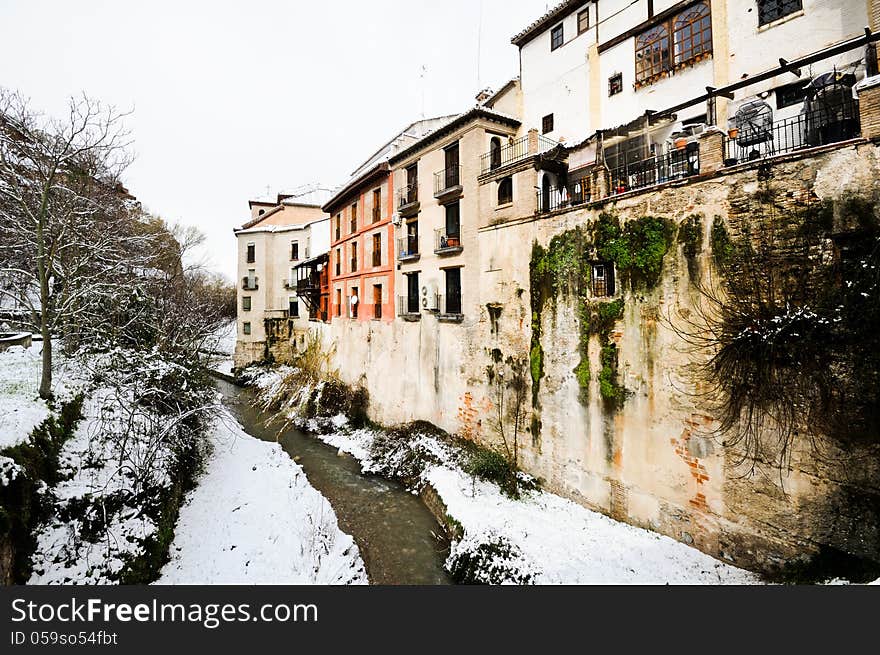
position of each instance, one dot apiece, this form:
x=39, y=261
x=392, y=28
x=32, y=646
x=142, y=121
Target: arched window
x=495, y=152
x=505, y=191
x=652, y=53
x=692, y=33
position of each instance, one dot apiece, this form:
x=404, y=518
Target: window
x=583, y=21
x=377, y=205
x=354, y=301
x=450, y=155
x=556, y=37
x=494, y=153
x=453, y=222
x=652, y=53
x=338, y=227
x=354, y=256
x=771, y=10
x=339, y=302
x=251, y=253
x=377, y=250
x=547, y=124
x=691, y=40
x=602, y=280
x=377, y=301
x=412, y=293
x=692, y=33
x=251, y=281
x=505, y=191
x=615, y=84
x=293, y=308
x=453, y=291
x=338, y=262
x=246, y=303
x=294, y=249
x=246, y=327
x=790, y=94
x=354, y=217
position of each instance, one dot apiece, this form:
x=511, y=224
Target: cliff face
x=692, y=357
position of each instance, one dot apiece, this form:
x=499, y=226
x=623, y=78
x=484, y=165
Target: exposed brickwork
x=618, y=501
x=869, y=110
x=711, y=151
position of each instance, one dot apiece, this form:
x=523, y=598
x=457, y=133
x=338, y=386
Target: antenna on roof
x=479, y=46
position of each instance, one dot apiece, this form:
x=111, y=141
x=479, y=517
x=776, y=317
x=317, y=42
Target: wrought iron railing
x=675, y=165
x=447, y=179
x=408, y=246
x=408, y=305
x=819, y=127
x=408, y=195
x=447, y=240
x=513, y=152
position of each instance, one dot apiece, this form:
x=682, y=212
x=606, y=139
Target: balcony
x=675, y=165
x=307, y=284
x=408, y=308
x=408, y=248
x=289, y=284
x=447, y=184
x=447, y=242
x=250, y=283
x=832, y=123
x=449, y=308
x=408, y=200
x=513, y=152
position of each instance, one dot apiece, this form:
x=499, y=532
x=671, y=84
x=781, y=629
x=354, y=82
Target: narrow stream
x=399, y=539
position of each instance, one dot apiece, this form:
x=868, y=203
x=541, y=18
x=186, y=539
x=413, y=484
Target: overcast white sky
x=230, y=97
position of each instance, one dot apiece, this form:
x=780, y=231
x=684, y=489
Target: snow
x=568, y=544
x=254, y=519
x=555, y=541
x=21, y=408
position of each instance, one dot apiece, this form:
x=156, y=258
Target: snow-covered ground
x=254, y=519
x=21, y=408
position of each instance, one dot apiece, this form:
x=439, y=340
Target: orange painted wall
x=366, y=274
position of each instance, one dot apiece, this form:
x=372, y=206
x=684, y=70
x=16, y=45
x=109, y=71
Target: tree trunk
x=46, y=379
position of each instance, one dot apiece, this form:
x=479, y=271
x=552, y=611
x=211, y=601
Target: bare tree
x=67, y=225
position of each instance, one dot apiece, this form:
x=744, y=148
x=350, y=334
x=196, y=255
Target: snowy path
x=255, y=519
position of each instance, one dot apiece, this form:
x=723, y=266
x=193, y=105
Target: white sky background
x=230, y=97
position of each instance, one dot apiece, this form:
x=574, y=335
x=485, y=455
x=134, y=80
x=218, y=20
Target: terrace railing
x=675, y=165
x=513, y=152
x=819, y=127
x=408, y=247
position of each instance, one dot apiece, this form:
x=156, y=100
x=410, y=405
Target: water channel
x=399, y=539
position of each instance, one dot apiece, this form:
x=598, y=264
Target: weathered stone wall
x=653, y=461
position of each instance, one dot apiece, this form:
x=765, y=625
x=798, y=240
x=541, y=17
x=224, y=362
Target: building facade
x=277, y=239
x=362, y=246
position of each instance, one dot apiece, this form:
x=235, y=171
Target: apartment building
x=362, y=246
x=281, y=234
x=439, y=211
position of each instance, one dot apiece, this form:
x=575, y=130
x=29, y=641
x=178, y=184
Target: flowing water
x=399, y=539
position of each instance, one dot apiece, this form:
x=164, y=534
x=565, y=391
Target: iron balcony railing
x=250, y=283
x=446, y=179
x=289, y=283
x=675, y=165
x=513, y=152
x=408, y=305
x=408, y=195
x=308, y=283
x=447, y=240
x=408, y=247
x=449, y=305
x=819, y=127
x=576, y=193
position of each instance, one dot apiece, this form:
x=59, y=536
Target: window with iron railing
x=377, y=250
x=448, y=178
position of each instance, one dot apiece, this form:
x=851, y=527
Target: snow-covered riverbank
x=254, y=519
